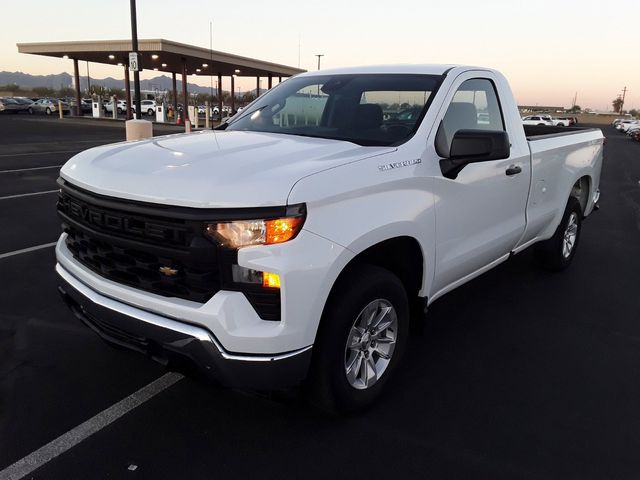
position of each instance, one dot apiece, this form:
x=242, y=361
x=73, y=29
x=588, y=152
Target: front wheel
x=150, y=112
x=557, y=253
x=30, y=111
x=361, y=340
x=48, y=111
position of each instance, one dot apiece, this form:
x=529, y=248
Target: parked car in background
x=536, y=120
x=632, y=128
x=618, y=121
x=84, y=107
x=561, y=121
x=14, y=106
x=147, y=106
x=24, y=103
x=9, y=105
x=626, y=124
x=48, y=106
x=121, y=106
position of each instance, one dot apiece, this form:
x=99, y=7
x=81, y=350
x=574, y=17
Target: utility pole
x=134, y=47
x=88, y=80
x=211, y=62
x=624, y=93
x=319, y=57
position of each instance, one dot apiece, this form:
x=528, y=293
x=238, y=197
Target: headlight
x=256, y=232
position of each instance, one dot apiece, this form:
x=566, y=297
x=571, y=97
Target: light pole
x=319, y=57
x=134, y=47
x=88, y=80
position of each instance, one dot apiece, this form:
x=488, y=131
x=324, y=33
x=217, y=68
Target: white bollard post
x=187, y=126
x=196, y=118
x=138, y=129
x=207, y=112
x=114, y=108
x=60, y=109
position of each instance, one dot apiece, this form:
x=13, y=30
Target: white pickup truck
x=294, y=245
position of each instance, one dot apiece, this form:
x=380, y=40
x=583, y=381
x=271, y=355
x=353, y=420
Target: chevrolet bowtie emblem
x=168, y=271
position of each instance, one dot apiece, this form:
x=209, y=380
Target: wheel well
x=580, y=190
x=403, y=257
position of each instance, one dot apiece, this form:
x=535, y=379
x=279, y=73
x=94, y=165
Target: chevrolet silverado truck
x=294, y=244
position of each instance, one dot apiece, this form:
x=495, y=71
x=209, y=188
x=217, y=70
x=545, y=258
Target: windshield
x=367, y=109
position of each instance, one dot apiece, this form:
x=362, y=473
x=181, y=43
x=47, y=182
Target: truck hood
x=210, y=169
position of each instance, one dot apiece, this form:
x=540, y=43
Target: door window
x=474, y=106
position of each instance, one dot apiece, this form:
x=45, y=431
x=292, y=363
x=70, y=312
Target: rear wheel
x=557, y=253
x=30, y=111
x=150, y=112
x=361, y=340
x=48, y=111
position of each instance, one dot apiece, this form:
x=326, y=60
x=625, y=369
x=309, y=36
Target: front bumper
x=168, y=341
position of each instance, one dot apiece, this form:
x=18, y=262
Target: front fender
x=358, y=206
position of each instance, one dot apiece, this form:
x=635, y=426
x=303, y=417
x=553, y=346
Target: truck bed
x=537, y=132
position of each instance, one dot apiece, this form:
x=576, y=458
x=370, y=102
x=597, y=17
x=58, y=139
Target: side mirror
x=472, y=146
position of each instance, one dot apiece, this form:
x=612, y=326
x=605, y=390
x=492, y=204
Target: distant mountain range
x=25, y=80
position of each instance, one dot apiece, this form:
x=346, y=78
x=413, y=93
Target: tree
x=43, y=91
x=10, y=87
x=98, y=90
x=66, y=92
x=575, y=109
x=634, y=112
x=617, y=105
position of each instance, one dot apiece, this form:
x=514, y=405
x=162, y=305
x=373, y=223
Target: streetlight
x=319, y=57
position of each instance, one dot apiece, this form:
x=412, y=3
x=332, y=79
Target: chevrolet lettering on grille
x=131, y=226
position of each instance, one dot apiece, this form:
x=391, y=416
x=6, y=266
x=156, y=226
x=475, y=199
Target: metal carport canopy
x=168, y=52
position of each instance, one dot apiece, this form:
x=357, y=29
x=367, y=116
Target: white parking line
x=83, y=431
x=36, y=153
x=28, y=194
x=27, y=250
x=29, y=169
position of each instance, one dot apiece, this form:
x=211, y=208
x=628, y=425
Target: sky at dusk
x=548, y=49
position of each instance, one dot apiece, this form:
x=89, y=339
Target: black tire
x=48, y=111
x=550, y=254
x=327, y=385
x=30, y=111
x=150, y=112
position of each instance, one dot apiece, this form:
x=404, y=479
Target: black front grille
x=147, y=270
x=158, y=249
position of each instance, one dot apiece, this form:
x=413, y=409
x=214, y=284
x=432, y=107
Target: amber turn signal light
x=282, y=229
x=270, y=280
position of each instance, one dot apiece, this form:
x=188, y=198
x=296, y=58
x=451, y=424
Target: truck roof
x=425, y=69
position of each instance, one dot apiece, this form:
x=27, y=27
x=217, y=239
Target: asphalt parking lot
x=518, y=374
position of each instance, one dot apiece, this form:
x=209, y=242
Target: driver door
x=480, y=214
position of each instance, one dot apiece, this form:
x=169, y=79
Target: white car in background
x=537, y=120
x=561, y=122
x=121, y=106
x=632, y=127
x=147, y=106
x=625, y=124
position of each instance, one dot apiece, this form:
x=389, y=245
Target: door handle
x=513, y=170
